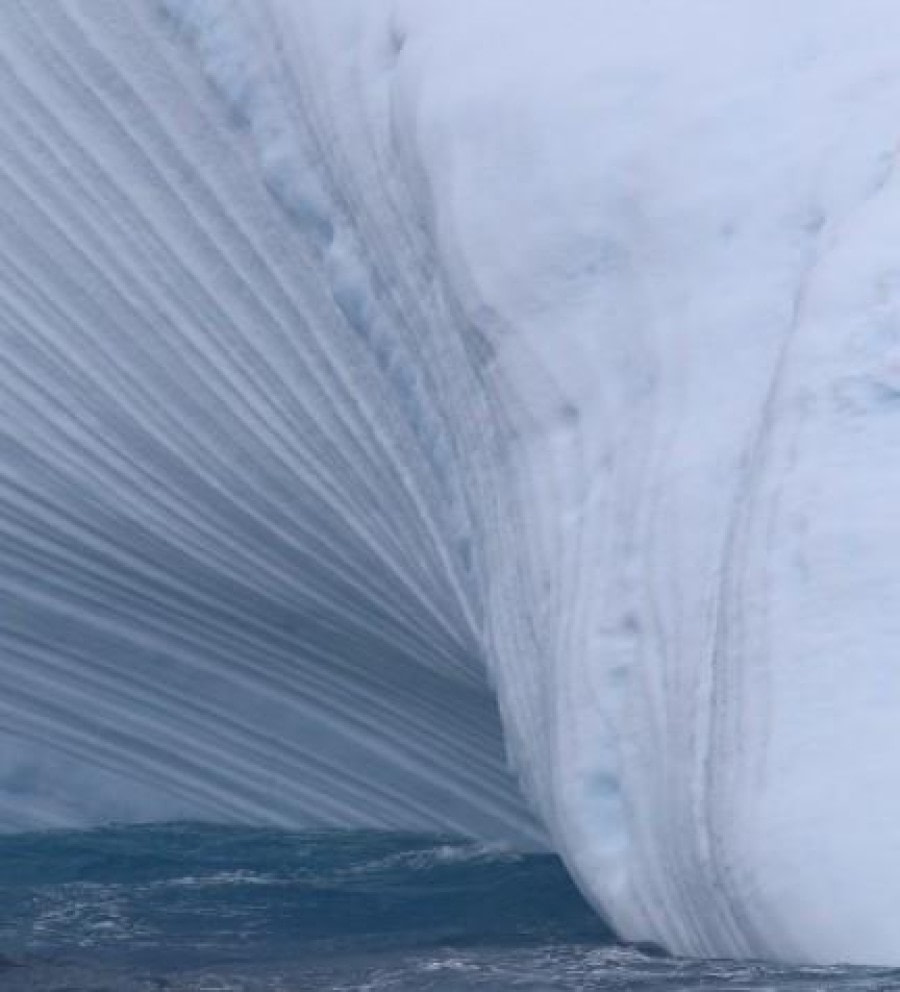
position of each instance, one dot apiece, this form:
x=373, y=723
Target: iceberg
x=466, y=417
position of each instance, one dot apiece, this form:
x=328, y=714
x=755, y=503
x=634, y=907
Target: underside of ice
x=477, y=417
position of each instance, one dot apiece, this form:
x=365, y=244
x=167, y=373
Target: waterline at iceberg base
x=464, y=418
x=191, y=908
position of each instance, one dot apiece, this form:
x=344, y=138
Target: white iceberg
x=365, y=358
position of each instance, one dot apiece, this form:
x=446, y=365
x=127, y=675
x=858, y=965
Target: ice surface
x=364, y=356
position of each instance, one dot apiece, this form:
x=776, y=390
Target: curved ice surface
x=364, y=358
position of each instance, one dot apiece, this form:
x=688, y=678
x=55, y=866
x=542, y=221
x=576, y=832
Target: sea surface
x=214, y=909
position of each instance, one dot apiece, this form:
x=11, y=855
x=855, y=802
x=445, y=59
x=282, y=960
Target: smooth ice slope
x=684, y=217
x=358, y=352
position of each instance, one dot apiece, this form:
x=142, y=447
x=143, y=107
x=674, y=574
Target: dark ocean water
x=184, y=907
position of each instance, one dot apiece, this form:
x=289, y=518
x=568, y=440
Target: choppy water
x=183, y=907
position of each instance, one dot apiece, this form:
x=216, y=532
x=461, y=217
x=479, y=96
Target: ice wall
x=362, y=353
x=234, y=569
x=683, y=217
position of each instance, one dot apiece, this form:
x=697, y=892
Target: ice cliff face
x=233, y=566
x=366, y=361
